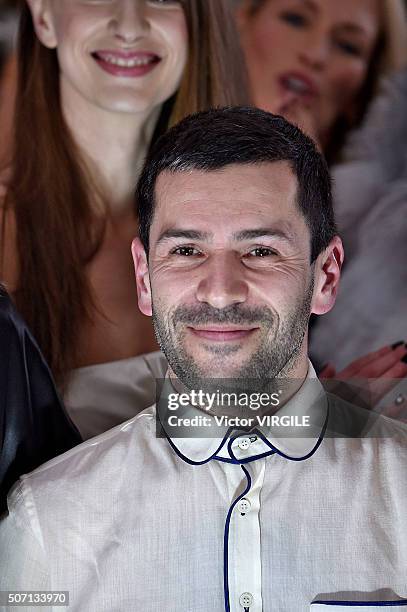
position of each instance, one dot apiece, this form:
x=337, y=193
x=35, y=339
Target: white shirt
x=101, y=396
x=131, y=522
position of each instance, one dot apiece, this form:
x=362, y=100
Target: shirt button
x=244, y=443
x=400, y=399
x=246, y=600
x=244, y=506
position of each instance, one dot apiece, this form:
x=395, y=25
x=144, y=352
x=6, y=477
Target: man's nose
x=129, y=22
x=222, y=283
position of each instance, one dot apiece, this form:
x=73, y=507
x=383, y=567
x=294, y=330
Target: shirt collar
x=238, y=445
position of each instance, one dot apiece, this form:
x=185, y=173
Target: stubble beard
x=277, y=354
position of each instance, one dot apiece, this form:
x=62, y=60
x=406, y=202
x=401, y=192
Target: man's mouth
x=222, y=334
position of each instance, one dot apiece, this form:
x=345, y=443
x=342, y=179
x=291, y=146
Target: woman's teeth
x=296, y=85
x=126, y=62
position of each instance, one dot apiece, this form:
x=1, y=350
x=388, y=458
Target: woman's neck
x=115, y=145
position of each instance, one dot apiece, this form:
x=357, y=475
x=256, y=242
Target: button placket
x=245, y=547
x=246, y=601
x=244, y=506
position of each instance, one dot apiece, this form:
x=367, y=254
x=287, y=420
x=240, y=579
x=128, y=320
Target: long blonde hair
x=389, y=56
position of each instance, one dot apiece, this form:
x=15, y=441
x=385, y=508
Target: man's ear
x=142, y=277
x=327, y=272
x=43, y=22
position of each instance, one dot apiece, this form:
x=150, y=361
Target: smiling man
x=237, y=248
x=235, y=266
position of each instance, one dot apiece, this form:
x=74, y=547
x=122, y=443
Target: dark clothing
x=34, y=426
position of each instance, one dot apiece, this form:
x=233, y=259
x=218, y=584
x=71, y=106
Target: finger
x=379, y=387
x=354, y=368
x=387, y=366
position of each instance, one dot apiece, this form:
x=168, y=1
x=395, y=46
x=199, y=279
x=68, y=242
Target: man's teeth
x=126, y=63
x=297, y=85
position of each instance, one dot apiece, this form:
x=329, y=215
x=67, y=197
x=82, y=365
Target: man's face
x=229, y=272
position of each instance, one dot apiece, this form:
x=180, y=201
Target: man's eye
x=185, y=251
x=295, y=19
x=261, y=252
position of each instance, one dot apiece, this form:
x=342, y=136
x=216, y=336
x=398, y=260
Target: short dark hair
x=217, y=138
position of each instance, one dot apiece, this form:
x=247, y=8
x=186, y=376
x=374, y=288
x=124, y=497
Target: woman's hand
x=378, y=372
x=387, y=362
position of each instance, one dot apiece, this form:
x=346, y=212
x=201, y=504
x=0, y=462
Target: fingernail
x=396, y=344
x=404, y=359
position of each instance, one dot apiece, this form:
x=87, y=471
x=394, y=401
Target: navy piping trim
x=249, y=459
x=244, y=461
x=190, y=461
x=308, y=455
x=401, y=602
x=226, y=540
x=215, y=454
x=276, y=450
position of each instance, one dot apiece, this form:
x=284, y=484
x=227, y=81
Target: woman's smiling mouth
x=126, y=63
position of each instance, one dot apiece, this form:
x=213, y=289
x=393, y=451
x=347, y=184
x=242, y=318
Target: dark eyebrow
x=263, y=232
x=187, y=234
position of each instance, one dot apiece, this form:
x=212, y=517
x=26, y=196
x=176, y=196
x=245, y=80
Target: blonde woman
x=319, y=62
